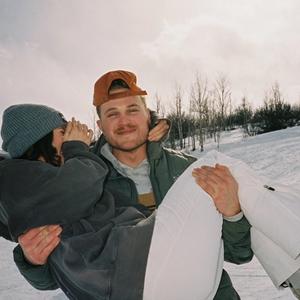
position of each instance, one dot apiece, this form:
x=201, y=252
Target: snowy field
x=276, y=155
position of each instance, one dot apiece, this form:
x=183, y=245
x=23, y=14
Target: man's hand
x=221, y=186
x=38, y=243
x=159, y=131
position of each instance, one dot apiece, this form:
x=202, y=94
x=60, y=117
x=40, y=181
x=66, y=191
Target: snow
x=275, y=155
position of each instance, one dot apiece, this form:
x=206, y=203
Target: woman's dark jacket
x=97, y=252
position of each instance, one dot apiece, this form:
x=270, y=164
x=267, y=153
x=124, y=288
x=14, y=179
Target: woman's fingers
x=68, y=129
x=159, y=131
x=77, y=131
x=90, y=134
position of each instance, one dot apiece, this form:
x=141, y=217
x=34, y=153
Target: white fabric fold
x=273, y=213
x=275, y=261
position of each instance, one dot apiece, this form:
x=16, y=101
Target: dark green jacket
x=165, y=167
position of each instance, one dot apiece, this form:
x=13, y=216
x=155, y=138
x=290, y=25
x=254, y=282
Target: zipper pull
x=269, y=187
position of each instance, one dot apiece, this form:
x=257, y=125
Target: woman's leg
x=186, y=254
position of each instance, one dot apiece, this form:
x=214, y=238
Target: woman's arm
x=56, y=195
x=40, y=242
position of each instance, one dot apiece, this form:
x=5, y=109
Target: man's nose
x=123, y=119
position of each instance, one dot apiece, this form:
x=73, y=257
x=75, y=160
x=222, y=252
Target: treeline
x=210, y=112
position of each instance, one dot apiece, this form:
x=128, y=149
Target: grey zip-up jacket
x=100, y=243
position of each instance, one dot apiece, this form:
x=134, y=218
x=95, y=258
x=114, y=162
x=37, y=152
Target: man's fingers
x=40, y=254
x=47, y=234
x=219, y=183
x=47, y=245
x=207, y=174
x=207, y=177
x=30, y=234
x=48, y=249
x=221, y=170
x=38, y=248
x=222, y=167
x=35, y=236
x=207, y=186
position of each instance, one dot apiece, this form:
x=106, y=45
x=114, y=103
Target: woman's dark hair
x=43, y=148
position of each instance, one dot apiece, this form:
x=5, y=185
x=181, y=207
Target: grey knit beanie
x=25, y=124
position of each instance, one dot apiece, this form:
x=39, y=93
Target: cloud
x=52, y=52
x=248, y=44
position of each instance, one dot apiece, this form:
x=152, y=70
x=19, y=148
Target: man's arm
x=32, y=253
x=237, y=241
x=219, y=183
x=38, y=276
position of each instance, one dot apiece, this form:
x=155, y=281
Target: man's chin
x=129, y=147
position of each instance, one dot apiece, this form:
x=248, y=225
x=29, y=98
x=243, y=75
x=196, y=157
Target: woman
x=38, y=190
x=56, y=180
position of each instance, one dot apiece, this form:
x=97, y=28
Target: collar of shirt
x=140, y=174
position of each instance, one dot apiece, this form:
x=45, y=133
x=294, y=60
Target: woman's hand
x=159, y=131
x=75, y=131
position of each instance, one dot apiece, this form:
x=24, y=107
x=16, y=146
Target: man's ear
x=99, y=124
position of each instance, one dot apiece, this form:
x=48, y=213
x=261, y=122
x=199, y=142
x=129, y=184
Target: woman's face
x=58, y=134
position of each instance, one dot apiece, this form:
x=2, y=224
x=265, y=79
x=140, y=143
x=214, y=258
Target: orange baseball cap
x=103, y=84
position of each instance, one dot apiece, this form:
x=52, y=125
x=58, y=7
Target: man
x=140, y=175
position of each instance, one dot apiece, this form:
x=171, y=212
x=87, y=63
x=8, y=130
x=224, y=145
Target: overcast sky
x=52, y=52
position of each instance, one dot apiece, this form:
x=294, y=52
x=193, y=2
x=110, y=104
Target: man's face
x=125, y=123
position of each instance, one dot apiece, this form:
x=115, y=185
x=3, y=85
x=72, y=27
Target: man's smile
x=127, y=130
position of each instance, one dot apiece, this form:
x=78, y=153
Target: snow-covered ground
x=276, y=155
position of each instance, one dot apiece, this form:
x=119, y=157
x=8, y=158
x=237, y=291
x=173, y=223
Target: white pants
x=186, y=254
x=185, y=260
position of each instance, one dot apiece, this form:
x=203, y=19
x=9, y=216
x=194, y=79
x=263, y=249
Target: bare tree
x=179, y=114
x=191, y=128
x=276, y=113
x=212, y=116
x=160, y=108
x=222, y=94
x=199, y=105
x=246, y=112
x=275, y=94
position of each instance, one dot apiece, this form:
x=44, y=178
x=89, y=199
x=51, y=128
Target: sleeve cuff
x=234, y=218
x=72, y=148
